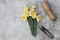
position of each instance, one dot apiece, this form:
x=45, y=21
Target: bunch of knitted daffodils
x=30, y=16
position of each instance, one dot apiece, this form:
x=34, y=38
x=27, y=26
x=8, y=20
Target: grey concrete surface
x=13, y=28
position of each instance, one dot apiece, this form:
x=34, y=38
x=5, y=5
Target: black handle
x=48, y=33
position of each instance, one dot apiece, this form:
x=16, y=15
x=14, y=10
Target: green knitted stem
x=33, y=25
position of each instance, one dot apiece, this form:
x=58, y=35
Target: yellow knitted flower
x=32, y=8
x=25, y=8
x=33, y=14
x=39, y=18
x=24, y=17
x=27, y=13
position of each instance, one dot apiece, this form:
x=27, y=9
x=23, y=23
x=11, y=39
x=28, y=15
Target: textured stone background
x=13, y=28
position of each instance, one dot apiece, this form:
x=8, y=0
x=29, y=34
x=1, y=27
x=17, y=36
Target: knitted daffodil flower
x=24, y=17
x=32, y=8
x=27, y=13
x=33, y=14
x=25, y=8
x=39, y=18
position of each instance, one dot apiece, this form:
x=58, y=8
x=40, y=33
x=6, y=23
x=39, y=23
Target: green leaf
x=35, y=26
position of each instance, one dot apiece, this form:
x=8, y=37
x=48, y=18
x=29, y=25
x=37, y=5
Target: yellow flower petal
x=39, y=18
x=32, y=8
x=27, y=13
x=24, y=17
x=33, y=14
x=25, y=8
